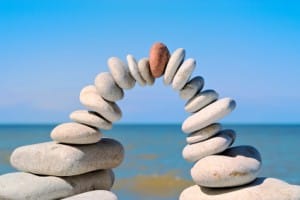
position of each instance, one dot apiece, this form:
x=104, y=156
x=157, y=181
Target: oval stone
x=134, y=70
x=183, y=74
x=158, y=58
x=208, y=115
x=144, y=69
x=75, y=133
x=90, y=118
x=120, y=72
x=191, y=88
x=238, y=166
x=93, y=101
x=56, y=159
x=204, y=133
x=214, y=145
x=201, y=100
x=107, y=87
x=94, y=195
x=175, y=61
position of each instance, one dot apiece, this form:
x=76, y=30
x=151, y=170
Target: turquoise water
x=153, y=167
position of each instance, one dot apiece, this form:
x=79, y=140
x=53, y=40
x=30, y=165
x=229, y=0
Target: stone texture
x=235, y=167
x=260, y=189
x=56, y=159
x=175, y=61
x=90, y=118
x=158, y=58
x=204, y=133
x=214, y=145
x=208, y=115
x=134, y=70
x=94, y=195
x=75, y=133
x=120, y=72
x=107, y=87
x=90, y=98
x=144, y=69
x=183, y=74
x=20, y=185
x=191, y=88
x=201, y=100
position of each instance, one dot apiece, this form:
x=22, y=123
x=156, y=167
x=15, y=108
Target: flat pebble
x=214, y=145
x=208, y=115
x=75, y=133
x=158, y=58
x=235, y=167
x=183, y=74
x=175, y=61
x=21, y=185
x=120, y=72
x=94, y=195
x=107, y=87
x=134, y=70
x=58, y=159
x=204, y=133
x=90, y=118
x=90, y=98
x=191, y=88
x=201, y=100
x=144, y=69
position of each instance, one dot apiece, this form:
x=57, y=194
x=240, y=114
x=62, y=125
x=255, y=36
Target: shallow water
x=153, y=167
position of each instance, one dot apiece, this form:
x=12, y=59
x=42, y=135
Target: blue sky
x=247, y=50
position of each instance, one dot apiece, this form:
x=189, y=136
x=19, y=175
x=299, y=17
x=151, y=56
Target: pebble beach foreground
x=78, y=163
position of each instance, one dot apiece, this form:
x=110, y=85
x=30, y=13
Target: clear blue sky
x=248, y=50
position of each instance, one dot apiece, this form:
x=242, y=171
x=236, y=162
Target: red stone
x=158, y=59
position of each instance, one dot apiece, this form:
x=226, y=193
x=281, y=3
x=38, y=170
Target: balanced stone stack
x=77, y=164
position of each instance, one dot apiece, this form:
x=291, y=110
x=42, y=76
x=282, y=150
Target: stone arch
x=81, y=161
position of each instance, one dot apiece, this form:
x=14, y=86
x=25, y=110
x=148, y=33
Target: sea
x=153, y=167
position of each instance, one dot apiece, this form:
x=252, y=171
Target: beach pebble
x=260, y=189
x=158, y=58
x=94, y=195
x=107, y=87
x=144, y=69
x=90, y=118
x=183, y=74
x=235, y=167
x=21, y=185
x=191, y=88
x=214, y=145
x=57, y=159
x=204, y=133
x=120, y=72
x=175, y=61
x=75, y=133
x=208, y=115
x=134, y=70
x=90, y=98
x=201, y=100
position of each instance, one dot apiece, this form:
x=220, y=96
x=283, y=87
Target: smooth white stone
x=214, y=145
x=57, y=159
x=90, y=118
x=191, y=88
x=21, y=185
x=235, y=167
x=201, y=100
x=183, y=74
x=204, y=133
x=174, y=62
x=107, y=87
x=208, y=115
x=120, y=72
x=90, y=98
x=144, y=69
x=94, y=195
x=134, y=70
x=75, y=133
x=260, y=189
